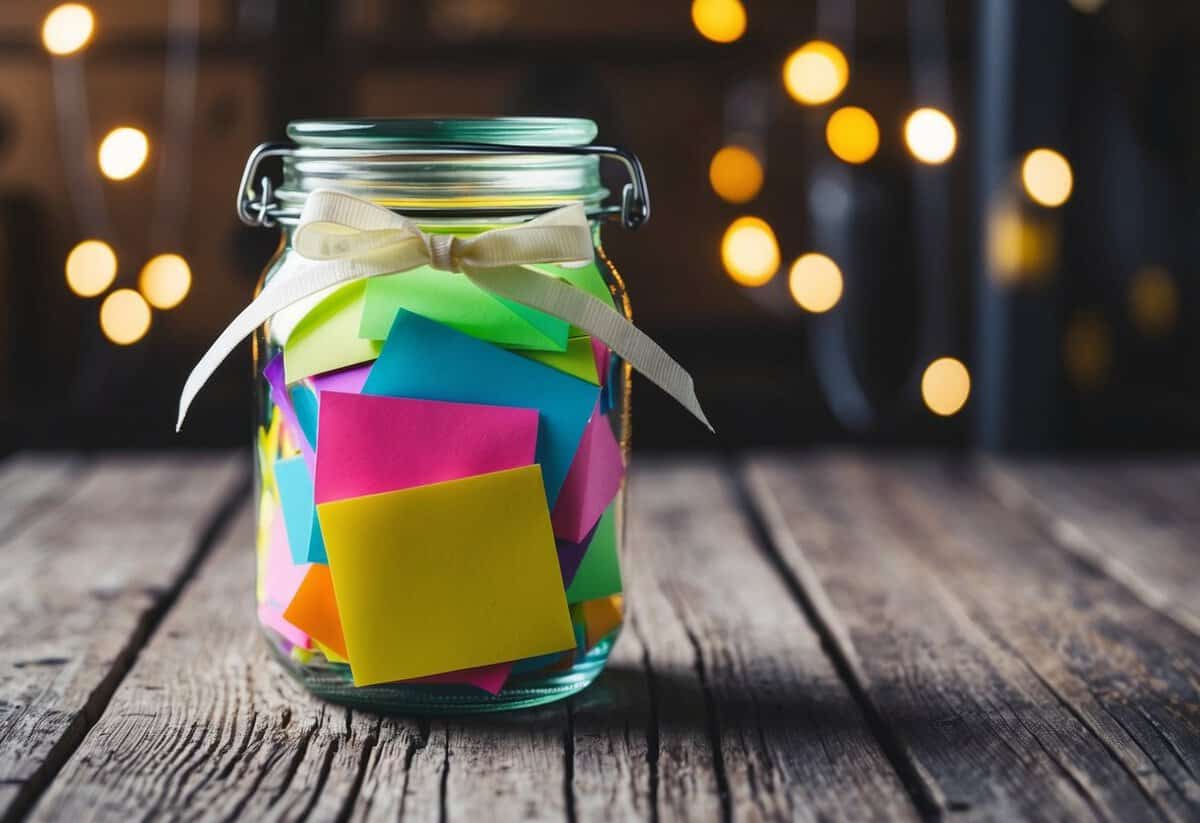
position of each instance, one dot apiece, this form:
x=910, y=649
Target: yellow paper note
x=330, y=654
x=327, y=338
x=446, y=576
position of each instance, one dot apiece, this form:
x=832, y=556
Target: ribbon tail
x=554, y=297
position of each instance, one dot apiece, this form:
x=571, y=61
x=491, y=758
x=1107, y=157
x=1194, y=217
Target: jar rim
x=399, y=131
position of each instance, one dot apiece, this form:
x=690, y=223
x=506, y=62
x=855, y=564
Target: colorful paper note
x=585, y=276
x=283, y=401
x=313, y=609
x=427, y=360
x=599, y=574
x=299, y=512
x=371, y=444
x=304, y=401
x=570, y=555
x=327, y=338
x=447, y=576
x=452, y=299
x=489, y=678
x=592, y=481
x=601, y=356
x=330, y=654
x=344, y=380
x=268, y=447
x=579, y=360
x=283, y=577
x=271, y=616
x=601, y=617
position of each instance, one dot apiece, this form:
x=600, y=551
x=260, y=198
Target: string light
x=165, y=281
x=930, y=136
x=852, y=134
x=123, y=152
x=945, y=386
x=1087, y=350
x=1153, y=301
x=750, y=252
x=736, y=174
x=815, y=282
x=68, y=28
x=1047, y=177
x=124, y=317
x=815, y=73
x=721, y=21
x=91, y=267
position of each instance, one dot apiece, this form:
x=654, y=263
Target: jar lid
x=380, y=133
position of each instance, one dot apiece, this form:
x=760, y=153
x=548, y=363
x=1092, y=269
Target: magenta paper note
x=280, y=397
x=371, y=444
x=283, y=577
x=489, y=678
x=603, y=354
x=268, y=615
x=592, y=481
x=344, y=380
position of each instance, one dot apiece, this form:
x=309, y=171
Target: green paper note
x=599, y=573
x=327, y=338
x=452, y=299
x=578, y=360
x=586, y=277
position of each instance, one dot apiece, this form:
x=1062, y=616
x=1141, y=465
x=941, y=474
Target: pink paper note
x=489, y=678
x=371, y=444
x=603, y=354
x=343, y=380
x=268, y=615
x=280, y=397
x=283, y=577
x=592, y=481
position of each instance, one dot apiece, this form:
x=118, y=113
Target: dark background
x=1060, y=358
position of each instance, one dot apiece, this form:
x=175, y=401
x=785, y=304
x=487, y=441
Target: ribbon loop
x=341, y=238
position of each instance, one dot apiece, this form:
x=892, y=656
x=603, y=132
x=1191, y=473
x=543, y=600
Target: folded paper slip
x=299, y=513
x=303, y=437
x=592, y=481
x=599, y=573
x=326, y=339
x=446, y=576
x=371, y=444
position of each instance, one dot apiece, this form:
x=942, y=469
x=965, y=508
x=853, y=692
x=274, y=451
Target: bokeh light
x=124, y=317
x=1154, y=301
x=736, y=174
x=123, y=152
x=945, y=386
x=930, y=136
x=1022, y=249
x=815, y=282
x=721, y=21
x=165, y=281
x=1087, y=350
x=68, y=28
x=1047, y=178
x=815, y=73
x=91, y=267
x=852, y=134
x=1087, y=6
x=750, y=252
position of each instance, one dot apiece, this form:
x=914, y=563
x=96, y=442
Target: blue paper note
x=295, y=486
x=304, y=401
x=429, y=361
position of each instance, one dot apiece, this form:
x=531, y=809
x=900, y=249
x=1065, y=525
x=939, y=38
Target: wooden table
x=813, y=636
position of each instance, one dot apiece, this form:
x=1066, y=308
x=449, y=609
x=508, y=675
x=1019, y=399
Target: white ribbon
x=341, y=238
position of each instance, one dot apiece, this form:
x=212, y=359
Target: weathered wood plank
x=1135, y=519
x=1018, y=683
x=98, y=553
x=733, y=667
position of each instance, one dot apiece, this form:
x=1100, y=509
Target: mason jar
x=440, y=471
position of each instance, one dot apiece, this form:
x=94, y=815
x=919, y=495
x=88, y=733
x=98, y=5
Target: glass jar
x=450, y=542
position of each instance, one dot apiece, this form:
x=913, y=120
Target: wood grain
x=1017, y=682
x=92, y=554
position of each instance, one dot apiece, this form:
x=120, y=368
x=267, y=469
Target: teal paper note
x=295, y=486
x=599, y=573
x=304, y=401
x=429, y=361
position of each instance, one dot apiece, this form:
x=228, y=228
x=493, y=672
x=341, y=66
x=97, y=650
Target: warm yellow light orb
x=68, y=28
x=750, y=252
x=1047, y=177
x=1154, y=301
x=123, y=152
x=91, y=267
x=815, y=282
x=124, y=317
x=1087, y=350
x=735, y=174
x=930, y=136
x=945, y=386
x=721, y=21
x=165, y=281
x=852, y=134
x=815, y=73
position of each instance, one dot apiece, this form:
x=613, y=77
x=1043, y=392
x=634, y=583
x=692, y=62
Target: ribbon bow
x=341, y=238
